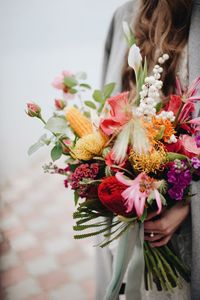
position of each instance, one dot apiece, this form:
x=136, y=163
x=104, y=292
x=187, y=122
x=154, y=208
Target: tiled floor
x=40, y=260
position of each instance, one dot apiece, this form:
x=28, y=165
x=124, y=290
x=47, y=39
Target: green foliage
x=76, y=197
x=56, y=125
x=144, y=215
x=171, y=156
x=85, y=85
x=43, y=140
x=159, y=106
x=108, y=89
x=97, y=96
x=90, y=104
x=70, y=81
x=56, y=152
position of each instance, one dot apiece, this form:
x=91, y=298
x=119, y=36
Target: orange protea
x=160, y=129
x=150, y=162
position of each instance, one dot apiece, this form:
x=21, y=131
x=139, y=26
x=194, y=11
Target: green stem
x=149, y=271
x=60, y=141
x=154, y=263
x=168, y=268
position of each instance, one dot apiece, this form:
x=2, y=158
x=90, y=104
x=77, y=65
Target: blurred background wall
x=39, y=259
x=39, y=39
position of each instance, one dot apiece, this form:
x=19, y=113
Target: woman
x=160, y=26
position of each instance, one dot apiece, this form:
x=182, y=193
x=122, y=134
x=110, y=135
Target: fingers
x=154, y=238
x=151, y=215
x=162, y=242
x=154, y=226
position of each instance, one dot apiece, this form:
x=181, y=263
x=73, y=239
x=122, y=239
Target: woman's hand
x=159, y=232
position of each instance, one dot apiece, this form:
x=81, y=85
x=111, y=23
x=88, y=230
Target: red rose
x=109, y=192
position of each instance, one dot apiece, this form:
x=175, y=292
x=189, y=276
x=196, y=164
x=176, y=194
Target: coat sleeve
x=107, y=50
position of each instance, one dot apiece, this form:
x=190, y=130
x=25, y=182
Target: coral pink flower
x=138, y=191
x=119, y=114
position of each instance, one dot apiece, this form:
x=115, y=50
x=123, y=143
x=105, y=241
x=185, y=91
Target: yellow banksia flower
x=78, y=122
x=151, y=162
x=89, y=146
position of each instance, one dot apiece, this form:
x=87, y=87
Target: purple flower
x=197, y=140
x=195, y=162
x=179, y=176
x=176, y=193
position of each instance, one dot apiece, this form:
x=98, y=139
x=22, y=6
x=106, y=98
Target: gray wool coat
x=187, y=239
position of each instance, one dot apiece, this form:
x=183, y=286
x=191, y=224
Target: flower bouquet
x=125, y=156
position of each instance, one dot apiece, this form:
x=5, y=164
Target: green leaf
x=85, y=85
x=144, y=216
x=56, y=125
x=108, y=89
x=33, y=148
x=73, y=91
x=76, y=197
x=129, y=34
x=70, y=81
x=43, y=140
x=171, y=156
x=90, y=104
x=81, y=75
x=159, y=106
x=97, y=96
x=56, y=152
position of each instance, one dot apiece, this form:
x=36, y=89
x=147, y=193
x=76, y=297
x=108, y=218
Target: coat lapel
x=194, y=46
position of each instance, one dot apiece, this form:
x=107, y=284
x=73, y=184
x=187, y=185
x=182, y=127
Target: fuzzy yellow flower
x=89, y=146
x=153, y=161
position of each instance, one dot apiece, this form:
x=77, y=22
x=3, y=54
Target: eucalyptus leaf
x=85, y=85
x=56, y=152
x=108, y=89
x=97, y=96
x=70, y=81
x=33, y=148
x=90, y=104
x=73, y=91
x=81, y=75
x=56, y=125
x=43, y=140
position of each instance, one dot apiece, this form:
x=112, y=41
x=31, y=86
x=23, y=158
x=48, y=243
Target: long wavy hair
x=162, y=26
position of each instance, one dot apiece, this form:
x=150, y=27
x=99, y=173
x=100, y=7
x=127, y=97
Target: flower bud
x=66, y=144
x=60, y=104
x=33, y=110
